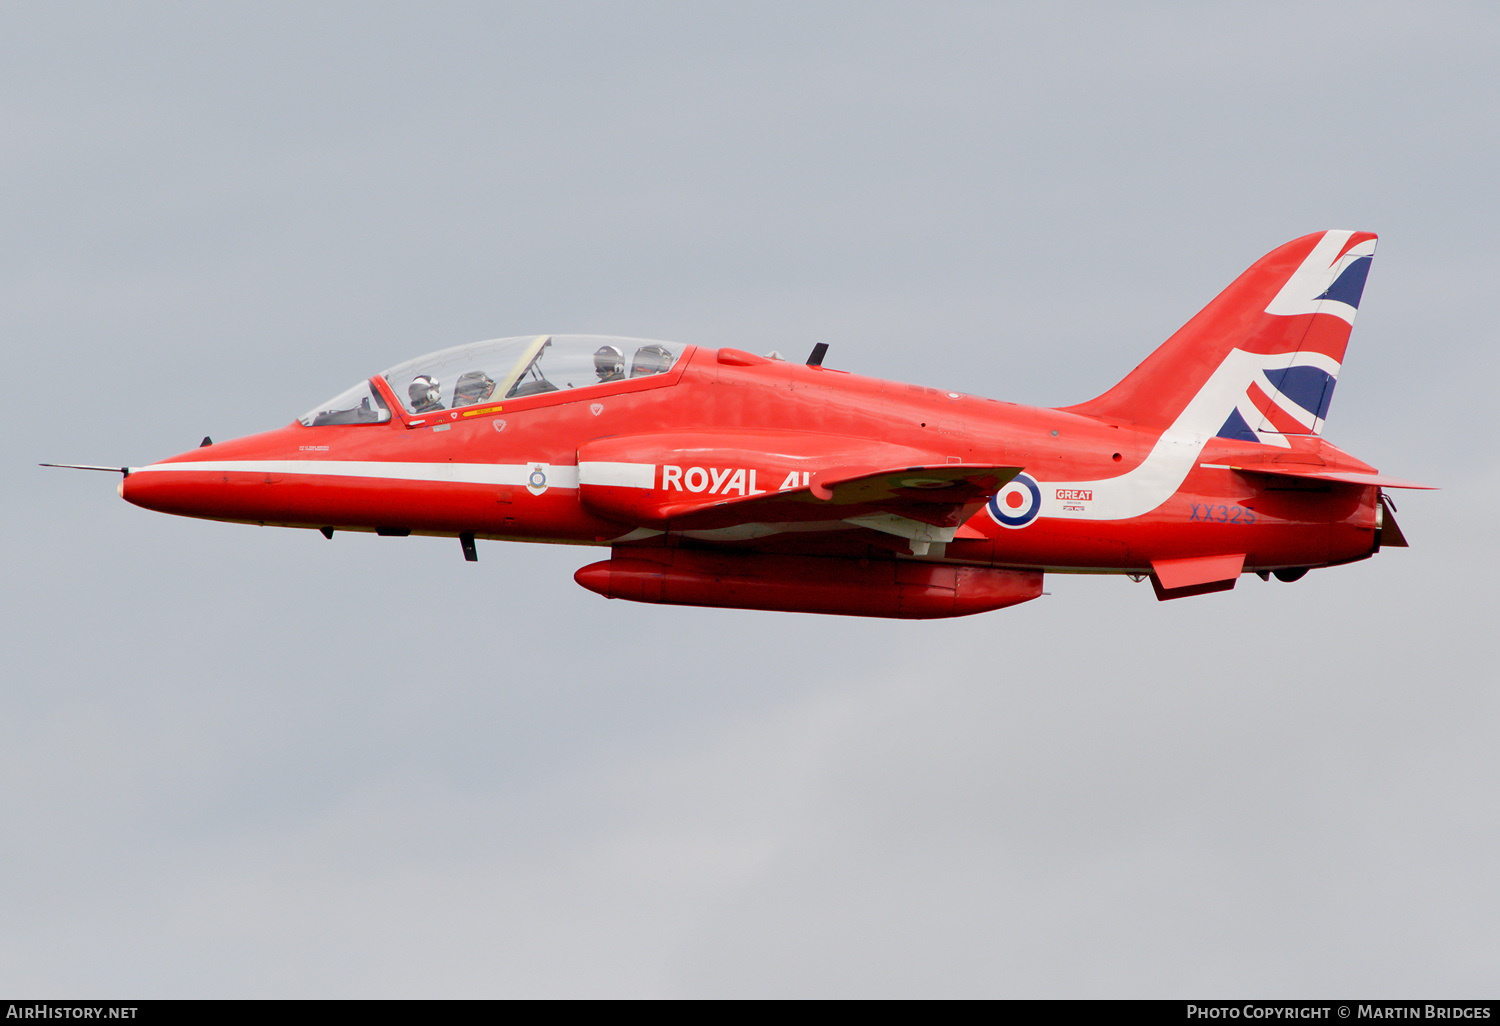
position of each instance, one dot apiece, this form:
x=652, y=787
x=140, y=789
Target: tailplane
x=1260, y=362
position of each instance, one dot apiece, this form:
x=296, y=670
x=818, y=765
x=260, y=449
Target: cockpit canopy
x=502, y=368
x=360, y=405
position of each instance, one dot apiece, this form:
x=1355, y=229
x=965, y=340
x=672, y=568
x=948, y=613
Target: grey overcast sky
x=238, y=761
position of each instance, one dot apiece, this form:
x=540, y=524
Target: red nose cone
x=131, y=494
x=223, y=481
x=188, y=493
x=150, y=491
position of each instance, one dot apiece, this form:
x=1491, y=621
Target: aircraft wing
x=685, y=482
x=941, y=495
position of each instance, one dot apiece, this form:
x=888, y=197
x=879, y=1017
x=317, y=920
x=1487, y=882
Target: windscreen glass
x=360, y=405
x=511, y=368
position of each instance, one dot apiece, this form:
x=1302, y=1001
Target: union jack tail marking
x=1263, y=358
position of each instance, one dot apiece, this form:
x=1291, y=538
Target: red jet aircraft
x=721, y=478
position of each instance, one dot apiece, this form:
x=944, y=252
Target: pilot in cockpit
x=652, y=359
x=425, y=394
x=473, y=386
x=609, y=364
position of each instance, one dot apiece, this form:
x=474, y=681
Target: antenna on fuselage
x=819, y=351
x=87, y=466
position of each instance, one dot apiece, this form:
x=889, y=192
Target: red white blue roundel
x=1018, y=503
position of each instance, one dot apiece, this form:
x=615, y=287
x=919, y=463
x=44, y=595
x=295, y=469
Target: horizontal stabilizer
x=1307, y=460
x=1312, y=472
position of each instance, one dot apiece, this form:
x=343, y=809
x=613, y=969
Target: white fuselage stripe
x=618, y=475
x=443, y=473
x=1157, y=479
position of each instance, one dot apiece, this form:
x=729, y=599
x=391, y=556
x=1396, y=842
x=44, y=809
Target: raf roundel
x=1018, y=503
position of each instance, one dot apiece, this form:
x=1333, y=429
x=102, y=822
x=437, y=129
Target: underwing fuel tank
x=901, y=589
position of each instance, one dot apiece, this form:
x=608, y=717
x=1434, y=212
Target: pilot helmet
x=424, y=391
x=473, y=386
x=652, y=359
x=609, y=363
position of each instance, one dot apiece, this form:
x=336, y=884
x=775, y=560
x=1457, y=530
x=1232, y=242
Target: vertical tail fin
x=1260, y=362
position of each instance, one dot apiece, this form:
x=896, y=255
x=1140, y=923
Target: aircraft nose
x=158, y=487
x=220, y=481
